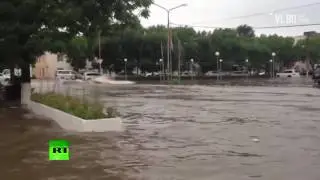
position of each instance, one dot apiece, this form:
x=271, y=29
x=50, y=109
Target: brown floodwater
x=177, y=132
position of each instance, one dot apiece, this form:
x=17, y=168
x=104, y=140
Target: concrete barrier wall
x=102, y=125
x=73, y=123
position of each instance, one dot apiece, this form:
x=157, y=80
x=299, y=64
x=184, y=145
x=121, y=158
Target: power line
x=262, y=27
x=265, y=13
x=287, y=26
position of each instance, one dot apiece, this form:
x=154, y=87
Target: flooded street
x=177, y=133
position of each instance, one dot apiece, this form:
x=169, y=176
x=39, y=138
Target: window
x=93, y=74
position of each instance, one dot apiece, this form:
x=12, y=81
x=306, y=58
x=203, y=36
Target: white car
x=289, y=73
x=90, y=75
x=262, y=73
x=65, y=74
x=147, y=74
x=211, y=73
x=5, y=77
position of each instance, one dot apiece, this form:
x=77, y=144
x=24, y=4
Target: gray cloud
x=216, y=13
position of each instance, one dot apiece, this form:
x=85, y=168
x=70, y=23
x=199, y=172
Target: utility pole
x=168, y=46
x=162, y=71
x=99, y=41
x=308, y=54
x=308, y=58
x=169, y=63
x=179, y=59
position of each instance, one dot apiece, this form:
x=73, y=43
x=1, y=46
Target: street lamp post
x=217, y=55
x=125, y=68
x=161, y=68
x=221, y=60
x=169, y=63
x=273, y=64
x=158, y=64
x=100, y=65
x=247, y=64
x=191, y=68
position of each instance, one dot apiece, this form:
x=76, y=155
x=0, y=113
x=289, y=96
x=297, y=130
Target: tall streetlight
x=221, y=60
x=217, y=55
x=191, y=68
x=125, y=68
x=169, y=63
x=273, y=64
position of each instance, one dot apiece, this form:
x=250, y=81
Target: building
x=305, y=35
x=298, y=38
x=47, y=65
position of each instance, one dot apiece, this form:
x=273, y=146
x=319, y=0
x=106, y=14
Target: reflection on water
x=184, y=132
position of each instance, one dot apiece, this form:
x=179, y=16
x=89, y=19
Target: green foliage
x=74, y=106
x=245, y=30
x=142, y=48
x=30, y=27
x=78, y=52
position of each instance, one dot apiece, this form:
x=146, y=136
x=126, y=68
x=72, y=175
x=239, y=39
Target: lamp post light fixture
x=220, y=71
x=247, y=64
x=100, y=61
x=217, y=54
x=161, y=69
x=191, y=68
x=169, y=63
x=125, y=68
x=273, y=64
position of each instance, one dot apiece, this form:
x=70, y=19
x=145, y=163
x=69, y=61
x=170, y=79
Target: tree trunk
x=25, y=84
x=20, y=88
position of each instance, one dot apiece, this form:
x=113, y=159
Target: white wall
x=47, y=64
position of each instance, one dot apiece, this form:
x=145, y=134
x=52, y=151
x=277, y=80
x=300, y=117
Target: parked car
x=79, y=75
x=5, y=77
x=210, y=73
x=147, y=74
x=262, y=73
x=289, y=73
x=156, y=74
x=65, y=74
x=90, y=75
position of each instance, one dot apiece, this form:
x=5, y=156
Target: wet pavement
x=177, y=132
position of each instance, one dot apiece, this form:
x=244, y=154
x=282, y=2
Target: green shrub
x=75, y=106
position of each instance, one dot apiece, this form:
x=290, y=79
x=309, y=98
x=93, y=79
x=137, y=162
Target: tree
x=77, y=52
x=30, y=27
x=245, y=30
x=26, y=23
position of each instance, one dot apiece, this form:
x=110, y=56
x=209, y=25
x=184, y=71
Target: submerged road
x=177, y=132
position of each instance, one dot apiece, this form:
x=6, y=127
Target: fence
x=82, y=92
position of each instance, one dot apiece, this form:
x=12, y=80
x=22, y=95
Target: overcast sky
x=214, y=12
